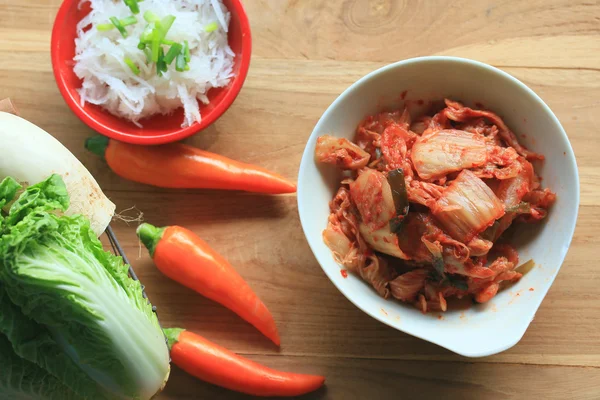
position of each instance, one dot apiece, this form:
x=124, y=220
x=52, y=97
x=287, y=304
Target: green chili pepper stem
x=150, y=235
x=97, y=144
x=172, y=335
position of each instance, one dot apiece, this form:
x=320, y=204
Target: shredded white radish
x=109, y=82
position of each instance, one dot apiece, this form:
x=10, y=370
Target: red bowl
x=158, y=129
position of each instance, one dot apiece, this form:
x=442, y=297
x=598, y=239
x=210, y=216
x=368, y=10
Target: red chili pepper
x=219, y=366
x=184, y=257
x=177, y=165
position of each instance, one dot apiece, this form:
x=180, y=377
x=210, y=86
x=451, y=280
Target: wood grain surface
x=305, y=53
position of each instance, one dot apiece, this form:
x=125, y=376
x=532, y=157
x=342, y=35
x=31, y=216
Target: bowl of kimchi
x=440, y=196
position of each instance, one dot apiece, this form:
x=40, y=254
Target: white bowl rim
x=307, y=157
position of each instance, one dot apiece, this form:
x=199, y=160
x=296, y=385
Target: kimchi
x=423, y=204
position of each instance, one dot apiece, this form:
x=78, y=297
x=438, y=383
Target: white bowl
x=480, y=330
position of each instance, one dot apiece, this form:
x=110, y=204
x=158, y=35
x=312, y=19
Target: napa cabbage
x=70, y=307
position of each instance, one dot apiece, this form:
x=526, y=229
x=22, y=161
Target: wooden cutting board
x=305, y=53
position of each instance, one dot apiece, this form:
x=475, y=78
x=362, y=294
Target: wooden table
x=305, y=53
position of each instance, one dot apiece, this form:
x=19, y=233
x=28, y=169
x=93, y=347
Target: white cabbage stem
x=31, y=155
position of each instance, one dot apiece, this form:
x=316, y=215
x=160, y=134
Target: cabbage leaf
x=24, y=380
x=56, y=272
x=33, y=342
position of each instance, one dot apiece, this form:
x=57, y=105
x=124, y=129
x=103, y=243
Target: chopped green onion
x=149, y=16
x=119, y=26
x=173, y=52
x=186, y=51
x=148, y=54
x=211, y=27
x=155, y=46
x=180, y=63
x=158, y=34
x=134, y=68
x=129, y=20
x=165, y=24
x=146, y=36
x=104, y=27
x=133, y=6
x=187, y=67
x=161, y=66
x=153, y=38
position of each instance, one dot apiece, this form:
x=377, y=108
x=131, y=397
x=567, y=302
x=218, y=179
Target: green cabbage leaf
x=23, y=380
x=76, y=298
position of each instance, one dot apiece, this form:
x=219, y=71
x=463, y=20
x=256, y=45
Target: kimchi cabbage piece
x=423, y=203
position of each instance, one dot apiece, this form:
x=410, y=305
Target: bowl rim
x=176, y=135
x=308, y=158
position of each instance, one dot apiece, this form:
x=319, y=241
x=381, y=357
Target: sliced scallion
x=155, y=46
x=104, y=27
x=153, y=38
x=148, y=54
x=150, y=17
x=173, y=52
x=186, y=51
x=146, y=35
x=161, y=66
x=165, y=24
x=133, y=6
x=115, y=21
x=134, y=68
x=213, y=26
x=180, y=63
x=128, y=20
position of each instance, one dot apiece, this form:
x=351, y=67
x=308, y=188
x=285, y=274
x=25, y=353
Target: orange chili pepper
x=177, y=165
x=184, y=257
x=219, y=366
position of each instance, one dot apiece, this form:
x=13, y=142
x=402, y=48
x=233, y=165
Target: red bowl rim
x=182, y=133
